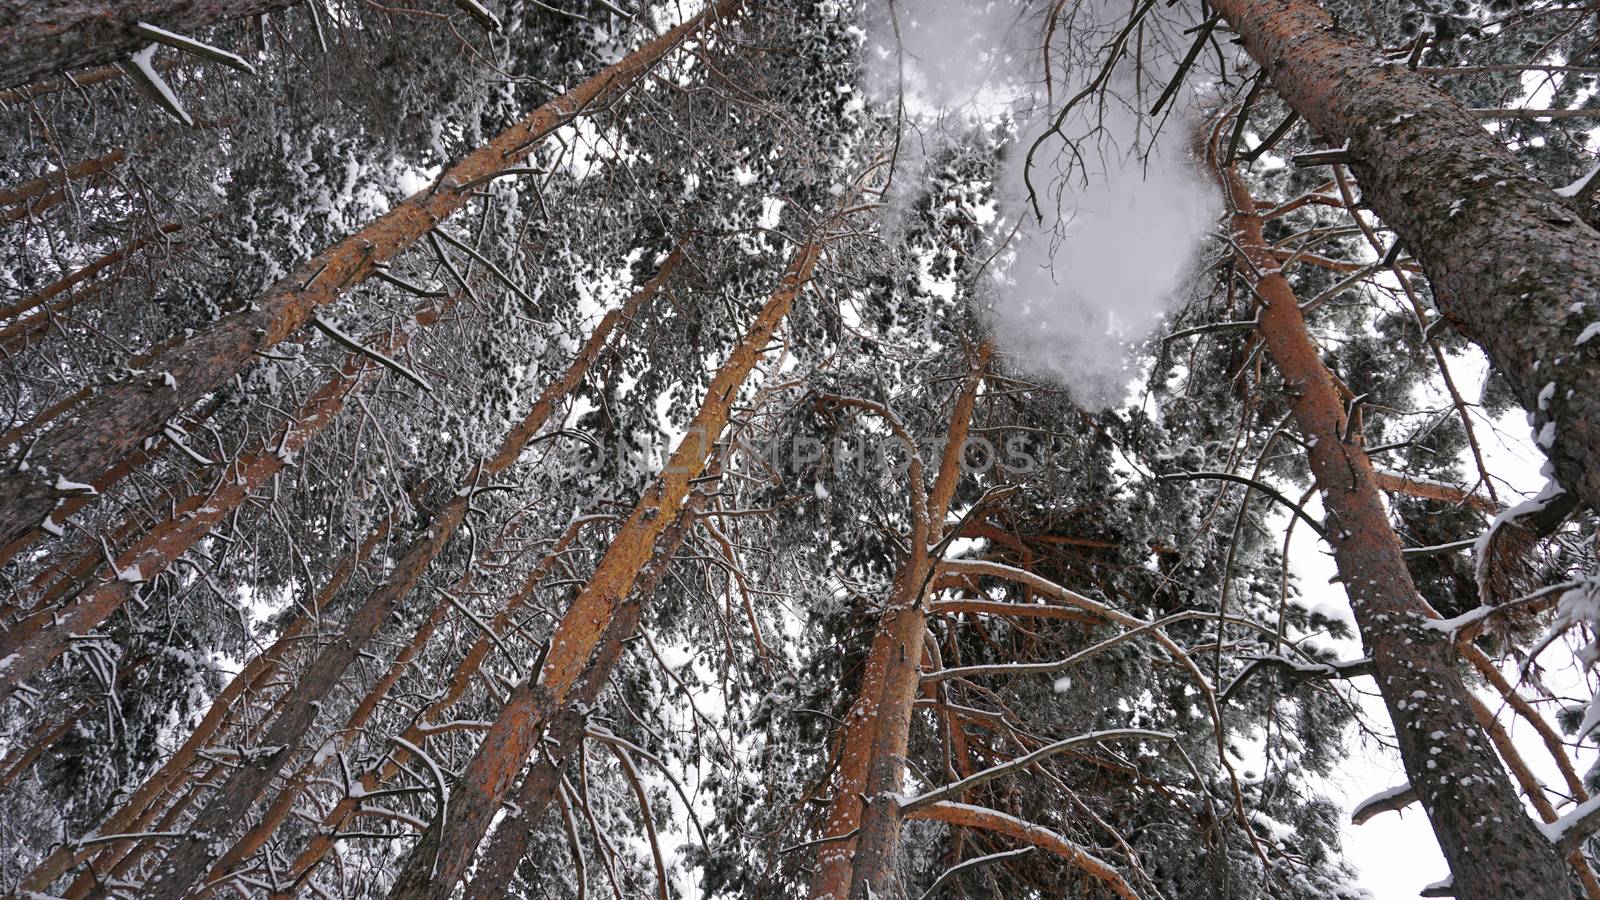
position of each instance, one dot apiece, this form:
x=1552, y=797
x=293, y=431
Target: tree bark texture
x=322, y=840
x=1493, y=848
x=191, y=857
x=872, y=744
x=144, y=804
x=492, y=876
x=38, y=37
x=39, y=637
x=1511, y=264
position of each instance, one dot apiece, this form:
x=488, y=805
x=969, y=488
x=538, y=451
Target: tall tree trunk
x=1450, y=763
x=134, y=813
x=109, y=425
x=295, y=785
x=442, y=856
x=1512, y=265
x=191, y=857
x=283, y=805
x=322, y=839
x=69, y=34
x=492, y=876
x=872, y=743
x=42, y=635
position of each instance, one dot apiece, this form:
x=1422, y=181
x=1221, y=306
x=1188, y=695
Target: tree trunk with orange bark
x=497, y=867
x=140, y=807
x=1507, y=257
x=1450, y=763
x=862, y=830
x=111, y=424
x=416, y=734
x=43, y=634
x=192, y=856
x=442, y=856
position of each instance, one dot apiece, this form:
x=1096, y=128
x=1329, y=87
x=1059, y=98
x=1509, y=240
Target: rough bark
x=57, y=411
x=492, y=876
x=1512, y=265
x=111, y=424
x=192, y=856
x=872, y=746
x=52, y=35
x=1447, y=758
x=441, y=857
x=283, y=804
x=38, y=638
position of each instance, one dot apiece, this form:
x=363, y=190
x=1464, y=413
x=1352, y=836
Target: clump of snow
x=1113, y=221
x=66, y=486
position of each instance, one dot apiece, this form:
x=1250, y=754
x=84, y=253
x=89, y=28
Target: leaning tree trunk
x=442, y=856
x=323, y=838
x=114, y=422
x=1493, y=848
x=191, y=857
x=295, y=786
x=493, y=875
x=863, y=824
x=144, y=803
x=38, y=638
x=1512, y=265
x=52, y=35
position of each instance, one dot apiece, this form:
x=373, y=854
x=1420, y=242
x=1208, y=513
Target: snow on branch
x=1444, y=887
x=1299, y=671
x=968, y=816
x=1059, y=665
x=1579, y=605
x=381, y=271
x=480, y=14
x=1575, y=827
x=493, y=269
x=175, y=437
x=1466, y=623
x=954, y=790
x=1582, y=190
x=1254, y=484
x=192, y=46
x=441, y=785
x=140, y=68
x=971, y=864
x=1389, y=800
x=355, y=346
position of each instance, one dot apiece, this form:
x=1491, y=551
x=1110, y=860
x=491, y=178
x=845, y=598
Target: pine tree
x=372, y=531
